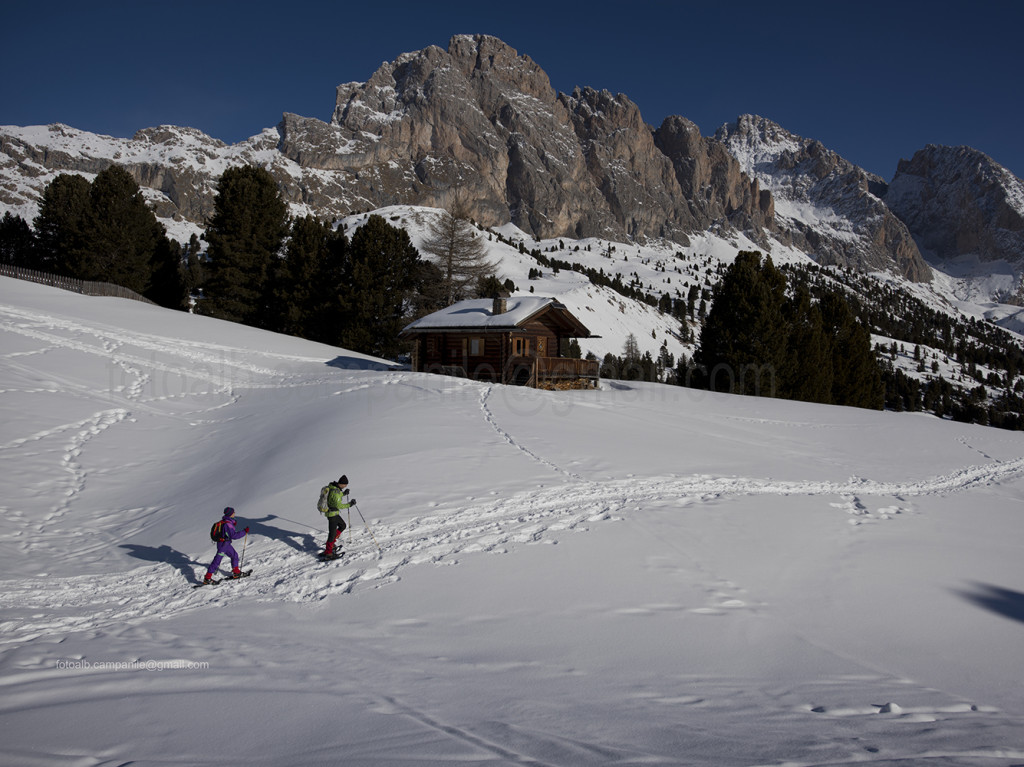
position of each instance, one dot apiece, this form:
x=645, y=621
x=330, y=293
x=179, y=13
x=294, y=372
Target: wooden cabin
x=514, y=340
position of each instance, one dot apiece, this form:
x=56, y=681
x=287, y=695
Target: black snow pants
x=335, y=527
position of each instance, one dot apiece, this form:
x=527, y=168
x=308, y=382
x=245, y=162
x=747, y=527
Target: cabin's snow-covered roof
x=479, y=313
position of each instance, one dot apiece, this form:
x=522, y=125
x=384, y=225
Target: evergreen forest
x=796, y=332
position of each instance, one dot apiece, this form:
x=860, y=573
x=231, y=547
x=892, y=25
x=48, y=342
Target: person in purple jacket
x=228, y=533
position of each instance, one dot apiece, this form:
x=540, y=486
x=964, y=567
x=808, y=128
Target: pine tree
x=295, y=275
x=461, y=253
x=245, y=235
x=807, y=375
x=60, y=225
x=743, y=342
x=104, y=231
x=327, y=321
x=308, y=281
x=857, y=378
x=195, y=275
x=379, y=281
x=611, y=367
x=168, y=285
x=17, y=241
x=122, y=234
x=489, y=287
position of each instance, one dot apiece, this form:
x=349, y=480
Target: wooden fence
x=85, y=287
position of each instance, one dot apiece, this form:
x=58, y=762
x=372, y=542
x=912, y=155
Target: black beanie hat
x=343, y=480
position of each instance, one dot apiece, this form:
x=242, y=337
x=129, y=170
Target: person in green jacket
x=337, y=500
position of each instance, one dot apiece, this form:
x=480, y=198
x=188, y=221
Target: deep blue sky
x=874, y=81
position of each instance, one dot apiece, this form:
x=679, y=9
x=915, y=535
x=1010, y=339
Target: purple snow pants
x=224, y=549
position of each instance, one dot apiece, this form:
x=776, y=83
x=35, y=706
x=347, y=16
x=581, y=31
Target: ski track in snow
x=209, y=373
x=41, y=607
x=222, y=367
x=49, y=607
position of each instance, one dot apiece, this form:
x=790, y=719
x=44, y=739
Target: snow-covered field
x=636, y=575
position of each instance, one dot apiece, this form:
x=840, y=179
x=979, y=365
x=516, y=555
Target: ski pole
x=245, y=543
x=350, y=527
x=368, y=528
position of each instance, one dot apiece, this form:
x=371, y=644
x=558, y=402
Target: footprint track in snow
x=91, y=602
x=507, y=437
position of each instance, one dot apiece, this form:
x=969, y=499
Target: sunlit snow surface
x=636, y=575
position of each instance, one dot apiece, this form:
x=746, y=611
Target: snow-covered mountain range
x=480, y=121
x=828, y=207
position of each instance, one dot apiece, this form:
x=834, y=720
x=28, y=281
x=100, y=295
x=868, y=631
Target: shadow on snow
x=1005, y=602
x=183, y=563
x=346, y=362
x=304, y=542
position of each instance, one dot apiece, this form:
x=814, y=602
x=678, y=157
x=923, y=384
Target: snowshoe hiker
x=223, y=533
x=334, y=499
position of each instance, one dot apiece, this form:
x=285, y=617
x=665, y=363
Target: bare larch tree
x=461, y=252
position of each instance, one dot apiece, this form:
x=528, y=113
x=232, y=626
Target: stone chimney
x=500, y=306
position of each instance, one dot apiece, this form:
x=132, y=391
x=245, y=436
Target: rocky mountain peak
x=483, y=56
x=717, y=190
x=959, y=202
x=596, y=110
x=828, y=206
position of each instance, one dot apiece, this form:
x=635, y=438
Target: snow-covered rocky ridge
x=952, y=209
x=632, y=575
x=177, y=169
x=967, y=213
x=830, y=207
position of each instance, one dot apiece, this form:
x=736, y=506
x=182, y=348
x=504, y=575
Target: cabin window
x=431, y=345
x=542, y=346
x=476, y=347
x=520, y=347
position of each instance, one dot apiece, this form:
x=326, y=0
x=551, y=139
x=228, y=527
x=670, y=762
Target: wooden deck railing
x=566, y=368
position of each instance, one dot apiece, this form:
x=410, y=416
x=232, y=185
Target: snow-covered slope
x=639, y=574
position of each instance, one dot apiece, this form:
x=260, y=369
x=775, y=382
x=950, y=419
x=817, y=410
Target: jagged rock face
x=957, y=202
x=635, y=179
x=712, y=181
x=477, y=122
x=827, y=206
x=482, y=123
